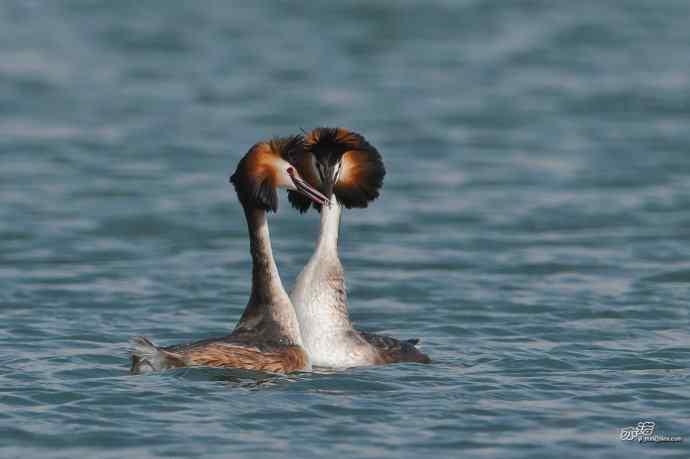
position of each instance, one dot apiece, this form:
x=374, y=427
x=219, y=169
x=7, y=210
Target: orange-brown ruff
x=344, y=164
x=267, y=336
x=362, y=169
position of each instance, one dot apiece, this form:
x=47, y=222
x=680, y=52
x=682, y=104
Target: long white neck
x=269, y=311
x=319, y=296
x=330, y=228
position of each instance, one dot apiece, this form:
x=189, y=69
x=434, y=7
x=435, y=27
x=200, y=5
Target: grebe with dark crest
x=350, y=172
x=267, y=337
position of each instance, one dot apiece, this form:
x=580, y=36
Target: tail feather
x=147, y=357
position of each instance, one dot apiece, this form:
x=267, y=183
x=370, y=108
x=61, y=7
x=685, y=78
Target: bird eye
x=290, y=170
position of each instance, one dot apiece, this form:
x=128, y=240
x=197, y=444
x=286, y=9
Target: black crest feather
x=299, y=201
x=365, y=167
x=289, y=147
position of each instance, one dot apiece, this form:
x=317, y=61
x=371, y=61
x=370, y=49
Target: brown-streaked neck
x=269, y=311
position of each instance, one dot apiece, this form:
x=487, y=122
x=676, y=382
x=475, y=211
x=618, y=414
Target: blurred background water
x=533, y=230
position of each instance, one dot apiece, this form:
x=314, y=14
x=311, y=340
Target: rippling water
x=533, y=229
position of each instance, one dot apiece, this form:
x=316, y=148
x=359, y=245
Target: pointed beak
x=329, y=180
x=307, y=190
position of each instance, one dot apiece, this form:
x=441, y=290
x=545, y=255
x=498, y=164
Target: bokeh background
x=533, y=229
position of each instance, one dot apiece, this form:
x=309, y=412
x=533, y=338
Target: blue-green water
x=533, y=229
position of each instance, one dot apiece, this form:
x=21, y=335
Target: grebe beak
x=306, y=189
x=329, y=179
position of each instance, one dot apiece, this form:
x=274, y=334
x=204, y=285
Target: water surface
x=533, y=229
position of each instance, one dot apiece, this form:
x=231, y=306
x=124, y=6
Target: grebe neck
x=269, y=309
x=330, y=227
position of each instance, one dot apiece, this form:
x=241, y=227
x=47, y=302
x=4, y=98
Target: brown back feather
x=285, y=359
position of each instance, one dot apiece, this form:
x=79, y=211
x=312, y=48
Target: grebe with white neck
x=267, y=337
x=350, y=173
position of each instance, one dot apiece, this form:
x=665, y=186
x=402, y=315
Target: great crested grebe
x=267, y=337
x=350, y=172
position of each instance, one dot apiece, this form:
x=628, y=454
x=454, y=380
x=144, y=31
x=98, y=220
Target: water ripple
x=532, y=231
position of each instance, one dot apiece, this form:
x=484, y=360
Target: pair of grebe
x=327, y=169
